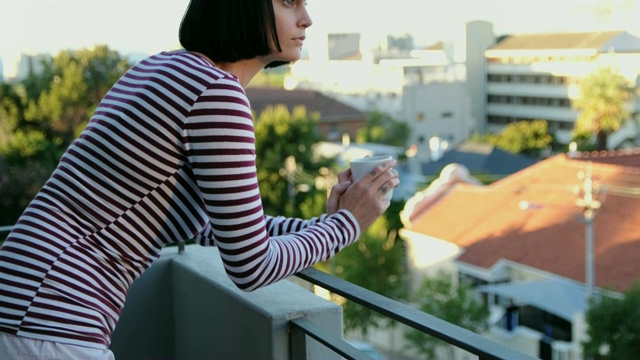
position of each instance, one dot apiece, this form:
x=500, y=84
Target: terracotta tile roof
x=488, y=223
x=548, y=41
x=330, y=110
x=624, y=157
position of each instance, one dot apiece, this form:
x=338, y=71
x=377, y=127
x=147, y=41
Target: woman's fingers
x=383, y=177
x=365, y=197
x=379, y=169
x=344, y=176
x=334, y=196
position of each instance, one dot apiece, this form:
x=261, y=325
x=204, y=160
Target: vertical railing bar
x=298, y=343
x=336, y=344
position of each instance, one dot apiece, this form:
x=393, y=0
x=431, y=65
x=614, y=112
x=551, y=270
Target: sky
x=149, y=26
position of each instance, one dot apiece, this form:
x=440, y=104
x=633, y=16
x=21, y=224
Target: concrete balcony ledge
x=185, y=307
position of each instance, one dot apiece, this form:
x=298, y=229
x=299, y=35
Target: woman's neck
x=244, y=70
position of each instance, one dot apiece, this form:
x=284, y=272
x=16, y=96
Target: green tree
x=455, y=303
x=383, y=129
x=289, y=176
x=291, y=184
x=375, y=262
x=529, y=138
x=11, y=112
x=72, y=85
x=603, y=105
x=613, y=326
x=40, y=117
x=287, y=170
x=21, y=173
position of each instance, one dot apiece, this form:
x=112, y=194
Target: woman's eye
x=293, y=3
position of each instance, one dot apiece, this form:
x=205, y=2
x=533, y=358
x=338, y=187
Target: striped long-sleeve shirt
x=169, y=155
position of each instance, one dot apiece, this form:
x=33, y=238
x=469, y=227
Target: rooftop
x=600, y=41
x=329, y=109
x=581, y=40
x=479, y=158
x=488, y=222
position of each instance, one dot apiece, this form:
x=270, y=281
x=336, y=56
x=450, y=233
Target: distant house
x=336, y=118
x=522, y=242
x=479, y=159
x=484, y=161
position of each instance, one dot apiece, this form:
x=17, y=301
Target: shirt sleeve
x=276, y=225
x=219, y=143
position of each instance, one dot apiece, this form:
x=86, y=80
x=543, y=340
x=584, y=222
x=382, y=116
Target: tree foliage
x=294, y=183
x=528, y=138
x=77, y=81
x=613, y=329
x=11, y=111
x=453, y=302
x=290, y=177
x=41, y=115
x=602, y=105
x=383, y=129
x=376, y=263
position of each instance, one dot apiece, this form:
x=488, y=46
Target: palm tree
x=603, y=104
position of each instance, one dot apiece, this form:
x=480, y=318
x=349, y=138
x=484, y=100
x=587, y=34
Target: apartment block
x=537, y=76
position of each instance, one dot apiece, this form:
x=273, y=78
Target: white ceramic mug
x=361, y=167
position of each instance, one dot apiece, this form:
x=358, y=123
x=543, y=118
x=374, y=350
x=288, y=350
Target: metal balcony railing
x=303, y=329
x=459, y=337
x=4, y=230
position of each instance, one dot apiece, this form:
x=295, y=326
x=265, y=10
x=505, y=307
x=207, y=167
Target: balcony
x=185, y=307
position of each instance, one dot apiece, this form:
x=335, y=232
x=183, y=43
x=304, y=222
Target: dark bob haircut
x=227, y=31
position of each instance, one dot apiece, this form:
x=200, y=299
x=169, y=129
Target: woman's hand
x=344, y=180
x=364, y=198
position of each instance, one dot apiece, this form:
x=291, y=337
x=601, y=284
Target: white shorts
x=18, y=348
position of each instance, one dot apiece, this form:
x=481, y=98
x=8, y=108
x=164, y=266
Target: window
x=471, y=280
x=499, y=99
x=498, y=120
x=334, y=132
x=495, y=78
x=548, y=324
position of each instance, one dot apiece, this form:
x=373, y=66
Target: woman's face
x=292, y=19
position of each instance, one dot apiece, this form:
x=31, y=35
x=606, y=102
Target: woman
x=168, y=155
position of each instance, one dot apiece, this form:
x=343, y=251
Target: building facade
x=28, y=64
x=537, y=76
x=439, y=115
x=506, y=79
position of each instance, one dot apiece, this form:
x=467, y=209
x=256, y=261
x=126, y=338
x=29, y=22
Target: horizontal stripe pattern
x=169, y=155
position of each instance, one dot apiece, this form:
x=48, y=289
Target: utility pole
x=291, y=167
x=589, y=206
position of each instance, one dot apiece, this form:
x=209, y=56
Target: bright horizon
x=150, y=26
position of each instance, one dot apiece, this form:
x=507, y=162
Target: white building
x=537, y=76
x=521, y=77
x=439, y=114
x=480, y=37
x=28, y=63
x=371, y=79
